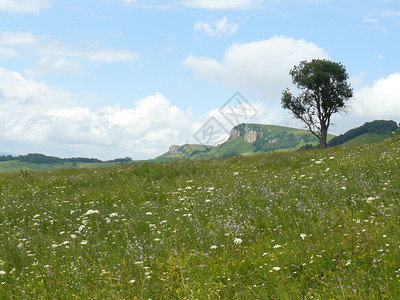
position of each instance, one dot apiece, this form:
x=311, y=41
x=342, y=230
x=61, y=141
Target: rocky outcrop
x=235, y=133
x=174, y=149
x=250, y=133
x=250, y=136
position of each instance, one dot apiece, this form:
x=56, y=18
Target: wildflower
x=2, y=272
x=132, y=281
x=214, y=247
x=277, y=246
x=113, y=215
x=84, y=242
x=237, y=241
x=81, y=228
x=303, y=236
x=276, y=268
x=92, y=211
x=73, y=236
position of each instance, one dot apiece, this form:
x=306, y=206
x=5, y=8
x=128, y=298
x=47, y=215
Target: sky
x=116, y=78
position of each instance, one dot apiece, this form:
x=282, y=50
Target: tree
x=324, y=91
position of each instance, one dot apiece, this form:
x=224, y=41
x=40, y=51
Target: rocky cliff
x=250, y=132
x=174, y=149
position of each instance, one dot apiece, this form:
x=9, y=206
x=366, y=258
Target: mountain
x=187, y=151
x=246, y=139
x=370, y=132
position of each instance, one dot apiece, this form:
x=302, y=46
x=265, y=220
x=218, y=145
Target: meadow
x=320, y=224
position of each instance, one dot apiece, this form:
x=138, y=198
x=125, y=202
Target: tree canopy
x=324, y=90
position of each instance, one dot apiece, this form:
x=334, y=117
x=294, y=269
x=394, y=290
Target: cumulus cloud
x=261, y=66
x=382, y=98
x=25, y=6
x=222, y=4
x=217, y=28
x=44, y=119
x=33, y=113
x=28, y=44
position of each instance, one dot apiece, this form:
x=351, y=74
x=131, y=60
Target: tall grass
x=311, y=224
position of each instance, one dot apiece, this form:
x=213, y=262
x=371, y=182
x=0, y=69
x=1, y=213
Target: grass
x=16, y=166
x=310, y=224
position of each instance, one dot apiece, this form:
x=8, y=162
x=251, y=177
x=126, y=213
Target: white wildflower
x=237, y=241
x=276, y=268
x=214, y=247
x=303, y=236
x=113, y=215
x=92, y=211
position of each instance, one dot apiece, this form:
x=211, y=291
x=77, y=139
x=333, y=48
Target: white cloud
x=222, y=4
x=26, y=43
x=47, y=120
x=261, y=66
x=25, y=6
x=371, y=20
x=33, y=113
x=217, y=28
x=55, y=66
x=381, y=100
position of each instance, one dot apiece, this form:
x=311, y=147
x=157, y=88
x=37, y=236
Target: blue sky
x=116, y=78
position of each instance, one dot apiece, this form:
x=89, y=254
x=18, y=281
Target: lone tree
x=324, y=91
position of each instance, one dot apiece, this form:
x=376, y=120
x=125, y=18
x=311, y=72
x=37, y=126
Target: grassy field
x=318, y=224
x=16, y=166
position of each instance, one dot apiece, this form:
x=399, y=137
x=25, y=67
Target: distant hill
x=246, y=139
x=188, y=151
x=370, y=132
x=41, y=162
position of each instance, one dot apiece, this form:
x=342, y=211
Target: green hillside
x=370, y=132
x=270, y=138
x=317, y=224
x=187, y=151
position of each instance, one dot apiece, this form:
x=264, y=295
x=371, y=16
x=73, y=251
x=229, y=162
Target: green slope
x=368, y=133
x=315, y=224
x=366, y=138
x=270, y=138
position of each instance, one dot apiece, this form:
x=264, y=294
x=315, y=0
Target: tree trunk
x=323, y=136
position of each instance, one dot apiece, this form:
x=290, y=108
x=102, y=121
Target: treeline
x=37, y=158
x=380, y=127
